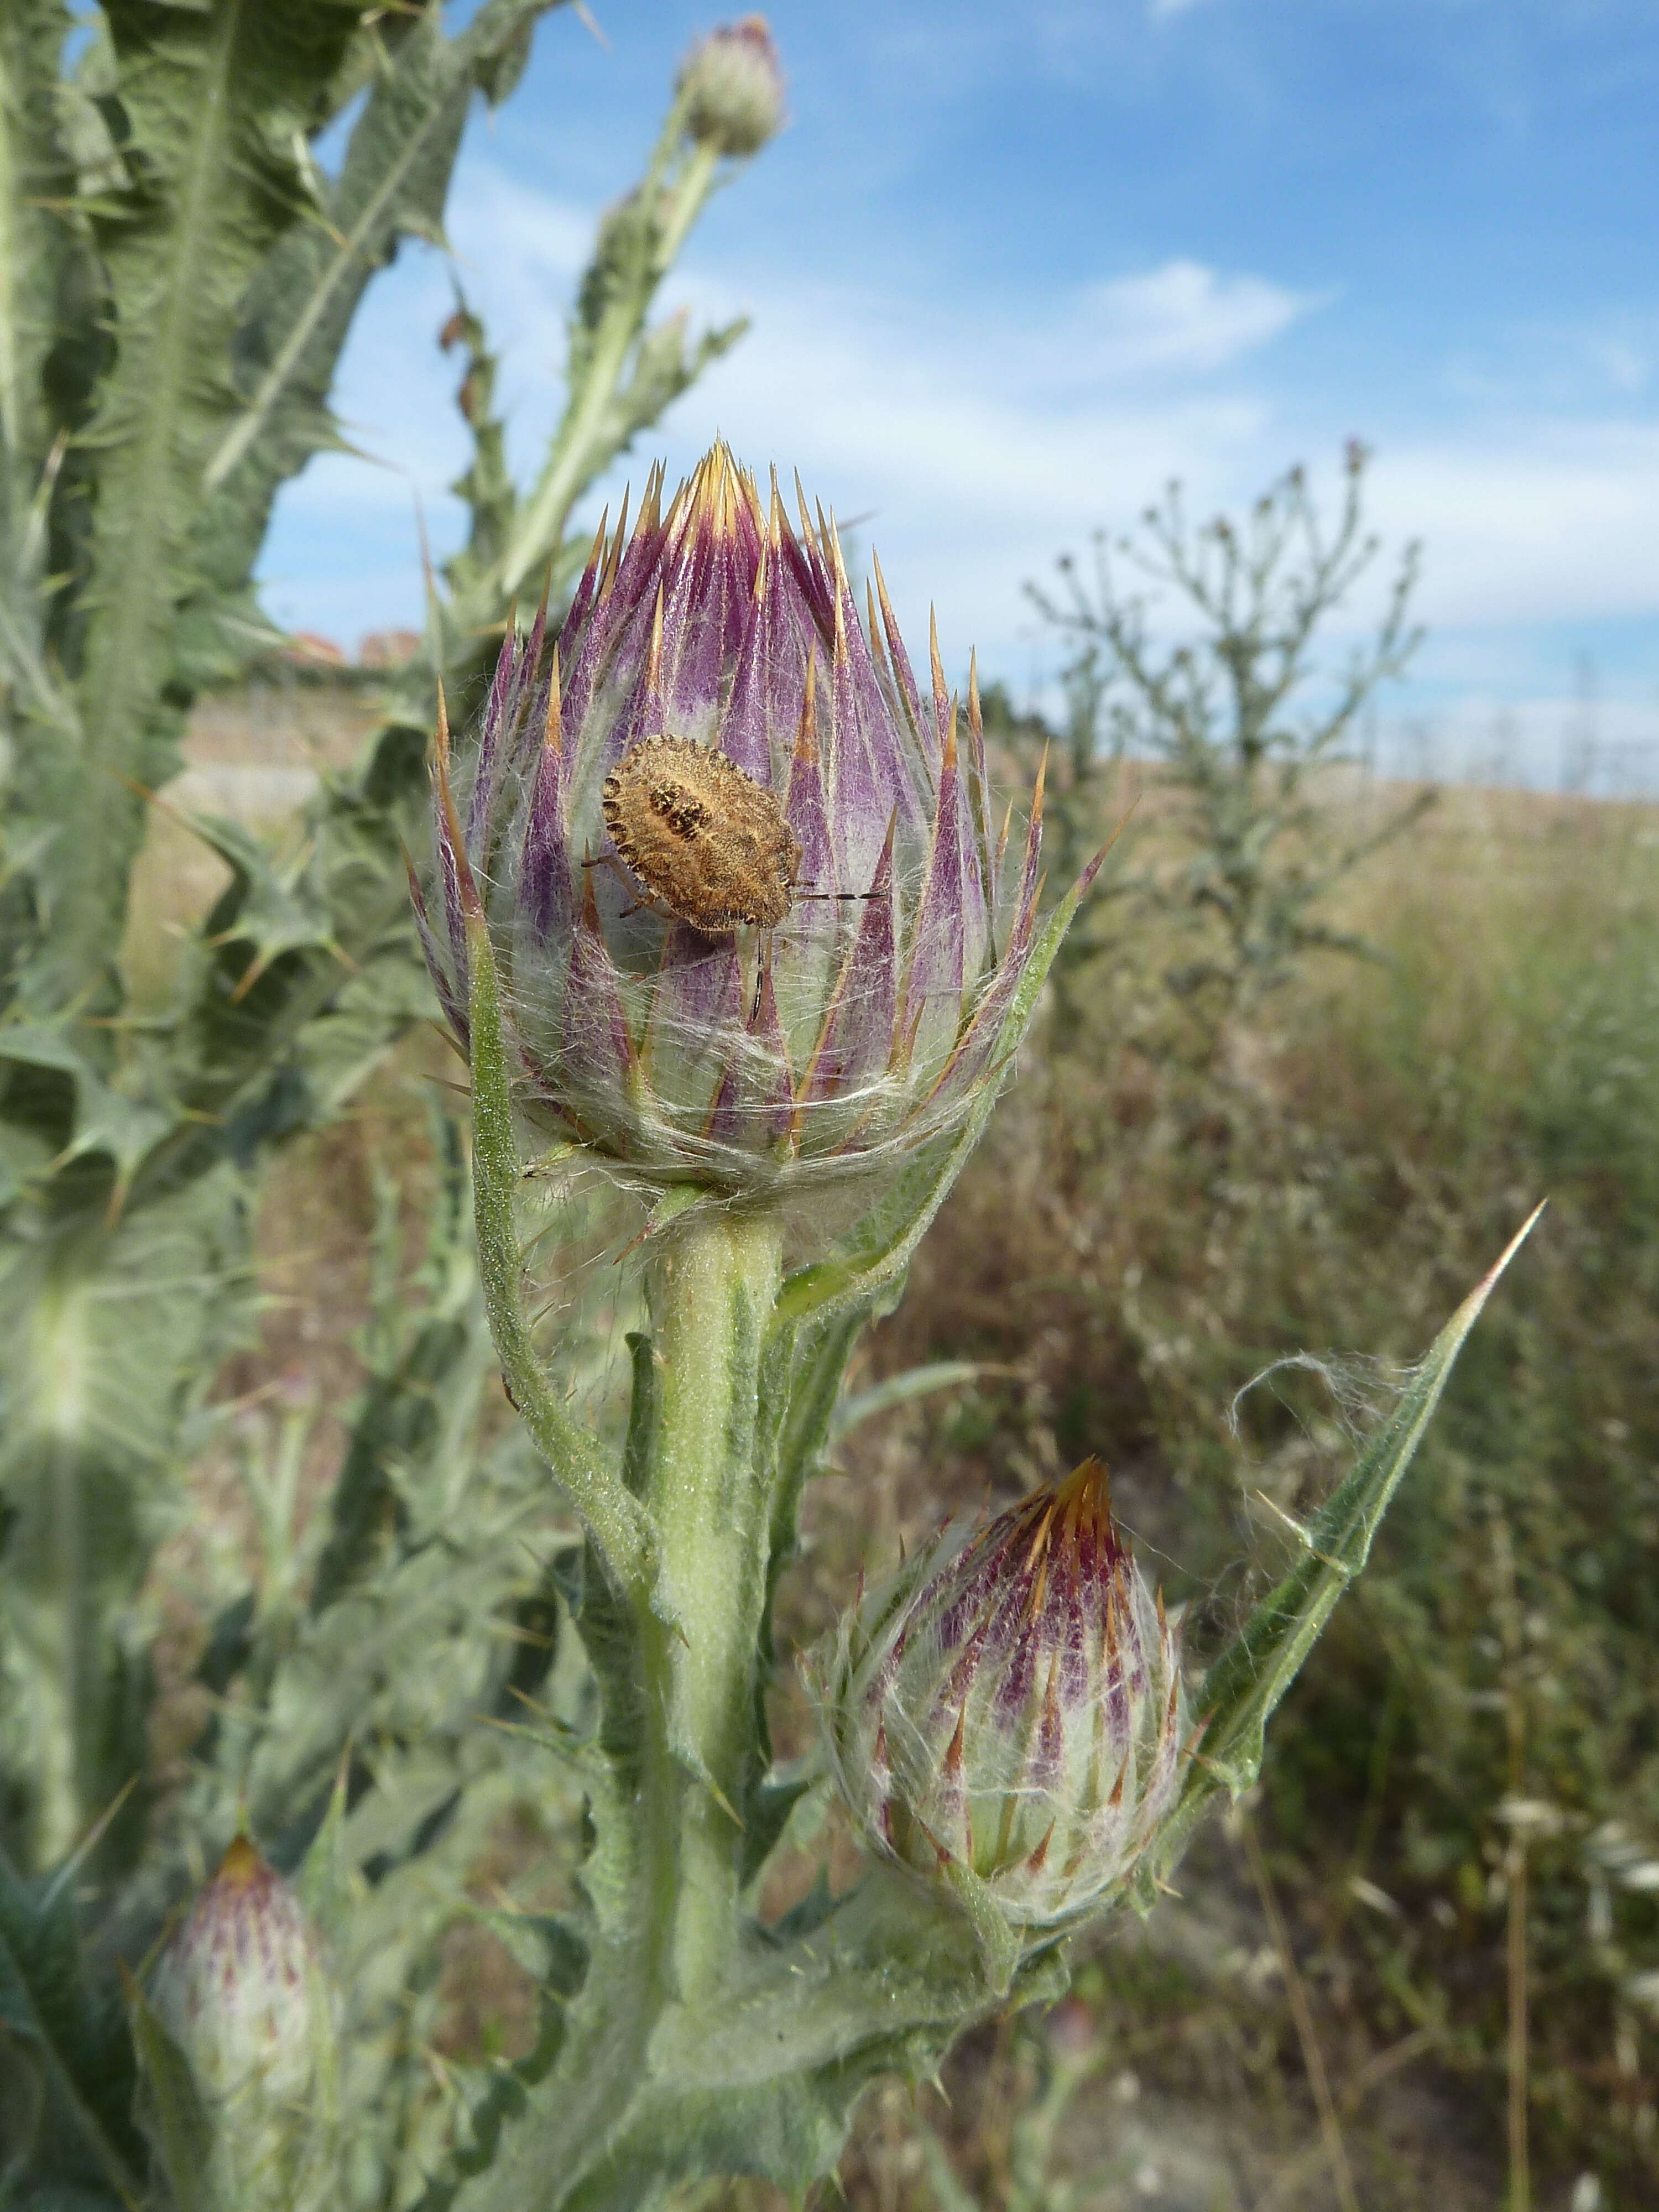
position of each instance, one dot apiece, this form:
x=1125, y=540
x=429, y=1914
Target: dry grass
x=1141, y=1242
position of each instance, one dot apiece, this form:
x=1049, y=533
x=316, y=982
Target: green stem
x=67, y=1645
x=712, y=1289
x=539, y=531
x=679, y=1660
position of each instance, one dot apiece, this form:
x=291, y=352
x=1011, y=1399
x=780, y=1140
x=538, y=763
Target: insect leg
x=613, y=861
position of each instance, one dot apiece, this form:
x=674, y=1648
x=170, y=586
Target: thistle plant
x=1243, y=720
x=180, y=278
x=1009, y=1721
x=722, y=920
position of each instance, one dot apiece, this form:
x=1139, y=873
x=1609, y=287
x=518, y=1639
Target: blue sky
x=1013, y=266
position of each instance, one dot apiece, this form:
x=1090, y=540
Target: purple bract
x=1013, y=1704
x=871, y=1017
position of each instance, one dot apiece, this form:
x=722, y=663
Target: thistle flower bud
x=744, y=883
x=733, y=88
x=242, y=1991
x=1011, y=1703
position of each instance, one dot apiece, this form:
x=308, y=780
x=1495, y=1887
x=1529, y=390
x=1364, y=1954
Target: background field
x=1448, y=1885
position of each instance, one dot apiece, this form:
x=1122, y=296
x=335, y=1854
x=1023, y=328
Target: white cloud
x=1560, y=367
x=1535, y=521
x=1626, y=366
x=546, y=237
x=979, y=437
x=984, y=439
x=1183, y=318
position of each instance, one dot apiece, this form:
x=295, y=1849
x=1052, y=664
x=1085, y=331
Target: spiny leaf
x=44, y=2003
x=801, y=1380
x=105, y=1335
x=104, y=1120
x=901, y=1388
x=760, y=2078
x=487, y=487
x=34, y=175
x=1247, y=1682
x=22, y=2103
x=392, y=183
x=211, y=102
x=173, y=2111
x=39, y=253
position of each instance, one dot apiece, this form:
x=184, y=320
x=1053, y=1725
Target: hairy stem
x=58, y=1619
x=541, y=525
x=678, y=1659
x=712, y=1289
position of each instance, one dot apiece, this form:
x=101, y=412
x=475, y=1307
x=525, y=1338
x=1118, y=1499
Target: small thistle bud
x=241, y=1992
x=733, y=88
x=1012, y=1705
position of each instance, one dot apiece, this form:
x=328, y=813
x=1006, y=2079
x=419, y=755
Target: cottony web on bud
x=242, y=1991
x=1012, y=1705
x=741, y=881
x=733, y=88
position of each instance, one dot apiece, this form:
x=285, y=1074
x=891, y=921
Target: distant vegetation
x=1141, y=1237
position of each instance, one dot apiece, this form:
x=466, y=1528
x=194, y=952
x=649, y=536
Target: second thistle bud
x=242, y=1997
x=1012, y=1705
x=733, y=88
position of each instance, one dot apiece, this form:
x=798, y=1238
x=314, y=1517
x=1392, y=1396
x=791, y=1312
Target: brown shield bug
x=704, y=840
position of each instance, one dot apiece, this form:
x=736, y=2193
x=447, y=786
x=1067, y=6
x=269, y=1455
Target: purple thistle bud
x=1010, y=1703
x=733, y=88
x=737, y=869
x=242, y=1991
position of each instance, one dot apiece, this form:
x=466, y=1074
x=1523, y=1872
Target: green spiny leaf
x=762, y=2077
x=35, y=178
x=1247, y=1682
x=81, y=2050
x=392, y=183
x=209, y=103
x=173, y=2116
x=899, y=1390
x=104, y=1120
x=488, y=488
x=106, y=1331
x=22, y=2103
x=40, y=256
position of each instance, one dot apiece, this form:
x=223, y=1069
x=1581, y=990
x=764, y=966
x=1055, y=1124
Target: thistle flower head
x=242, y=1991
x=1011, y=1704
x=733, y=88
x=741, y=876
